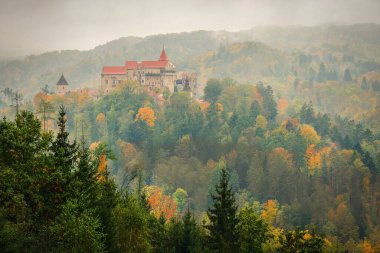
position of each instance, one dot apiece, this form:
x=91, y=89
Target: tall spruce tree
x=223, y=234
x=85, y=182
x=58, y=188
x=64, y=151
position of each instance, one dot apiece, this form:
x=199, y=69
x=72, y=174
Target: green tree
x=130, y=225
x=253, y=231
x=76, y=231
x=347, y=75
x=298, y=241
x=212, y=90
x=223, y=233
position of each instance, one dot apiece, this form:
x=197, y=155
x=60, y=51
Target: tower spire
x=163, y=56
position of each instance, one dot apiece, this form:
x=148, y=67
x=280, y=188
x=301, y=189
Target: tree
x=298, y=241
x=57, y=190
x=192, y=236
x=184, y=235
x=347, y=75
x=130, y=222
x=255, y=111
x=321, y=77
x=253, y=231
x=147, y=115
x=223, y=233
x=64, y=151
x=76, y=231
x=212, y=90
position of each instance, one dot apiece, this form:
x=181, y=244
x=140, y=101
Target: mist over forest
x=263, y=139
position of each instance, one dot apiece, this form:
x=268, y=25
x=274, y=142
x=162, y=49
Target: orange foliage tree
x=147, y=115
x=282, y=104
x=160, y=203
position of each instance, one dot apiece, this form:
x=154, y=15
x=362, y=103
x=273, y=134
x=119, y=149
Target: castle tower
x=62, y=86
x=163, y=56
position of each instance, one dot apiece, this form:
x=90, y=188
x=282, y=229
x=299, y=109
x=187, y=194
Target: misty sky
x=32, y=26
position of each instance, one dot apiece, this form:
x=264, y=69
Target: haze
x=34, y=26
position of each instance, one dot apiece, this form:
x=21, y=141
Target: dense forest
x=280, y=151
x=241, y=170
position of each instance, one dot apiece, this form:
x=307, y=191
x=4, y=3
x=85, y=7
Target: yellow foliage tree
x=261, y=122
x=269, y=212
x=101, y=118
x=310, y=134
x=147, y=115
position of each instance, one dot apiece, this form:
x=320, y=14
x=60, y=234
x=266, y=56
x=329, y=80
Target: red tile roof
x=114, y=70
x=154, y=64
x=121, y=70
x=131, y=64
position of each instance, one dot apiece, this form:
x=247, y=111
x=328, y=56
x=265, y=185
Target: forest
x=241, y=170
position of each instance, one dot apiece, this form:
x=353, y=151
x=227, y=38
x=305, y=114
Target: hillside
x=82, y=68
x=359, y=43
x=334, y=67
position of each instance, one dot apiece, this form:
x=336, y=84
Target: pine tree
x=85, y=185
x=64, y=151
x=347, y=76
x=223, y=235
x=58, y=188
x=192, y=237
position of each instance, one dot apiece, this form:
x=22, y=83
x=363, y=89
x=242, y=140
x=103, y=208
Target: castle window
x=106, y=81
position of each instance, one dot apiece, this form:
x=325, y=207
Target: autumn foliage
x=146, y=114
x=160, y=203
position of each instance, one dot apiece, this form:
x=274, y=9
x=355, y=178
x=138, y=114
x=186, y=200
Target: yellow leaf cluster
x=147, y=115
x=269, y=212
x=101, y=118
x=310, y=134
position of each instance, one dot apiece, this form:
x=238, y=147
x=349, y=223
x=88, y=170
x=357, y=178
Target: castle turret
x=163, y=56
x=62, y=86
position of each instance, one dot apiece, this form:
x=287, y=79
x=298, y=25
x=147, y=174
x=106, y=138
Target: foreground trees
x=309, y=169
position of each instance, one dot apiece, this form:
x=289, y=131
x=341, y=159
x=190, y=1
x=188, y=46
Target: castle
x=153, y=74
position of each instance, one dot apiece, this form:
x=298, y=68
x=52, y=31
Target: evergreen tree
x=64, y=151
x=223, y=234
x=57, y=189
x=347, y=75
x=364, y=84
x=269, y=104
x=321, y=77
x=255, y=111
x=192, y=236
x=85, y=183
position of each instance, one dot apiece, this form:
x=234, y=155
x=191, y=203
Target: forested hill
x=82, y=68
x=356, y=45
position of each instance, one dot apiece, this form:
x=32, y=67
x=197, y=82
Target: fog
x=33, y=26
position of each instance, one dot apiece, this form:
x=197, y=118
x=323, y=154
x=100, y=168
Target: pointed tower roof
x=163, y=56
x=62, y=81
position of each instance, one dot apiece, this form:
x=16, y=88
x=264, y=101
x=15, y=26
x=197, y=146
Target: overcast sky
x=31, y=26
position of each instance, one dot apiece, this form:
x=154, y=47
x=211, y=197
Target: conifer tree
x=58, y=187
x=192, y=237
x=223, y=235
x=85, y=184
x=64, y=151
